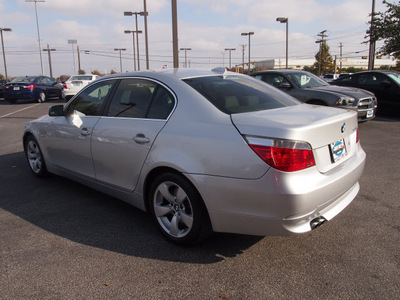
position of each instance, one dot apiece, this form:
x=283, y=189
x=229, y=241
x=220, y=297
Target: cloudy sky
x=205, y=26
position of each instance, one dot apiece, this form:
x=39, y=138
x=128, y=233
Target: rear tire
x=178, y=210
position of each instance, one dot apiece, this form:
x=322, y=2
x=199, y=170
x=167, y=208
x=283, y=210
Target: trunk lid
x=321, y=127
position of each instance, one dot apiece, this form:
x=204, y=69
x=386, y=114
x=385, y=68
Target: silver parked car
x=204, y=151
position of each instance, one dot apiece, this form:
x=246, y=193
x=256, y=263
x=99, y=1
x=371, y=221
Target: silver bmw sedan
x=203, y=151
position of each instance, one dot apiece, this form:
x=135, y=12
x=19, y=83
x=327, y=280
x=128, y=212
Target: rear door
x=123, y=137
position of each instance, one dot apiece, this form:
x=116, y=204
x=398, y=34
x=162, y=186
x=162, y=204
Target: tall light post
x=38, y=32
x=134, y=51
x=142, y=13
x=230, y=51
x=4, y=53
x=72, y=42
x=185, y=49
x=48, y=50
x=120, y=57
x=175, y=48
x=249, y=34
x=286, y=20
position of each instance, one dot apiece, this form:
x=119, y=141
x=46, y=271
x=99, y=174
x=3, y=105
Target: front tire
x=35, y=157
x=42, y=97
x=179, y=210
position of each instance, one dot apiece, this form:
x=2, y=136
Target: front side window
x=275, y=79
x=90, y=101
x=239, y=94
x=371, y=79
x=141, y=98
x=306, y=80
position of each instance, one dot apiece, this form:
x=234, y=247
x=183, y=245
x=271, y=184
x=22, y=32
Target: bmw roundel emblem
x=343, y=129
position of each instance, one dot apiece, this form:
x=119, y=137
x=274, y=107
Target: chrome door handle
x=85, y=132
x=141, y=139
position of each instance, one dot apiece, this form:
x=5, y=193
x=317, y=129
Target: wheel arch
x=150, y=178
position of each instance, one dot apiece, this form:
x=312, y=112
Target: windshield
x=24, y=79
x=395, y=77
x=306, y=80
x=239, y=94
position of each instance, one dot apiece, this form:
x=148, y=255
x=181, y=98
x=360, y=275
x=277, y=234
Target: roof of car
x=177, y=73
x=285, y=71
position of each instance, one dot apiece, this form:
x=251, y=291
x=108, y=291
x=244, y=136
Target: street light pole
x=142, y=13
x=185, y=49
x=72, y=42
x=37, y=25
x=230, y=51
x=249, y=34
x=4, y=53
x=120, y=57
x=48, y=50
x=134, y=51
x=286, y=20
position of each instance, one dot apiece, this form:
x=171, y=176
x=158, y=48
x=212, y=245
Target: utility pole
x=243, y=49
x=320, y=42
x=185, y=49
x=146, y=39
x=371, y=58
x=48, y=50
x=341, y=48
x=120, y=56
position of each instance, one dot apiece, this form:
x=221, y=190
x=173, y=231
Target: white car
x=75, y=83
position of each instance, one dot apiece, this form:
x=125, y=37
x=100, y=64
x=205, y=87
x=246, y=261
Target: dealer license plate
x=370, y=113
x=338, y=150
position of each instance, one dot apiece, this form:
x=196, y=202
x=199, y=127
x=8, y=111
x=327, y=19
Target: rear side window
x=141, y=98
x=239, y=94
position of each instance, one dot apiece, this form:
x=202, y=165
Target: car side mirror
x=56, y=111
x=285, y=85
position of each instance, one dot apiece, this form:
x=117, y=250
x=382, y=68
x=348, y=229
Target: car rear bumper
x=280, y=203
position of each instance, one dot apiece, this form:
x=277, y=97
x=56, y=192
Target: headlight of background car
x=345, y=101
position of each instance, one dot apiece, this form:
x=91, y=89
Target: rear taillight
x=6, y=87
x=65, y=87
x=283, y=155
x=30, y=87
x=357, y=136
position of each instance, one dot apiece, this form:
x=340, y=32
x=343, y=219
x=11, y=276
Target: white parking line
x=17, y=111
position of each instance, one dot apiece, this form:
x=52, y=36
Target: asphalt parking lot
x=61, y=240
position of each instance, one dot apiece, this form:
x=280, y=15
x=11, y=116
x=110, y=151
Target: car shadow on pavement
x=82, y=215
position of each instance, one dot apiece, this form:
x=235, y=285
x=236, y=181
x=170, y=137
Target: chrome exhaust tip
x=317, y=222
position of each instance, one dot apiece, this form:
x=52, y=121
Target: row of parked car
x=360, y=91
x=41, y=88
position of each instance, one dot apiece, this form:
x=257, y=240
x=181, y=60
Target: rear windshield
x=24, y=79
x=81, y=77
x=238, y=94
